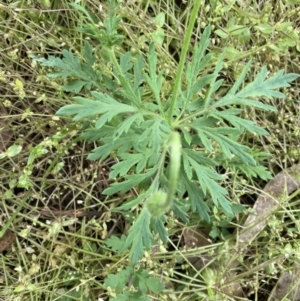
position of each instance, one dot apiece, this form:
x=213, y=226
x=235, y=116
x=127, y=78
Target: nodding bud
x=157, y=203
x=160, y=202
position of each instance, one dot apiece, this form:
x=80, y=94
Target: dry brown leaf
x=288, y=286
x=278, y=189
x=283, y=184
x=6, y=240
x=196, y=238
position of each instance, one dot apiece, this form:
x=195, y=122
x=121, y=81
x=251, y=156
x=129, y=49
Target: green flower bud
x=157, y=203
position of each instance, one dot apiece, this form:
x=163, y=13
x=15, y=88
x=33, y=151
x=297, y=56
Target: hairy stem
x=175, y=154
x=182, y=60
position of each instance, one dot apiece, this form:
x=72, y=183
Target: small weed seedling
x=168, y=147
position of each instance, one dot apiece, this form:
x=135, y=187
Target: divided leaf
x=145, y=282
x=128, y=161
x=265, y=87
x=158, y=226
x=130, y=182
x=138, y=75
x=125, y=126
x=116, y=243
x=154, y=136
x=103, y=104
x=253, y=171
x=222, y=136
x=208, y=180
x=153, y=79
x=118, y=281
x=259, y=87
x=124, y=143
x=196, y=198
x=70, y=66
x=230, y=116
x=140, y=237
